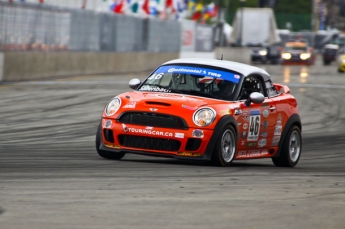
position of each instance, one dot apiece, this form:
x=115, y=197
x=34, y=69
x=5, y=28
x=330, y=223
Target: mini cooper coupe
x=209, y=110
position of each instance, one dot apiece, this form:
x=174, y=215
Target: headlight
x=343, y=61
x=304, y=56
x=286, y=55
x=113, y=106
x=263, y=52
x=204, y=116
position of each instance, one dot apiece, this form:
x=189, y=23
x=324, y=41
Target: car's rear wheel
x=225, y=148
x=103, y=153
x=291, y=149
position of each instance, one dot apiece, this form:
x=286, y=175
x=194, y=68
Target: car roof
x=241, y=68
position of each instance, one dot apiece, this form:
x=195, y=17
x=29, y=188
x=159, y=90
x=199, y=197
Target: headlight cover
x=263, y=52
x=204, y=116
x=305, y=56
x=113, y=106
x=286, y=55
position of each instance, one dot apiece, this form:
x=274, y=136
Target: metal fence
x=25, y=26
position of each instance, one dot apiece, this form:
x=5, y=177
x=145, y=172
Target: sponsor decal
x=107, y=124
x=265, y=113
x=188, y=107
x=264, y=134
x=154, y=88
x=170, y=95
x=242, y=143
x=199, y=71
x=149, y=128
x=250, y=153
x=251, y=144
x=264, y=124
x=238, y=112
x=148, y=131
x=198, y=133
x=245, y=126
x=189, y=154
x=125, y=128
x=153, y=109
x=130, y=105
x=264, y=104
x=224, y=112
x=278, y=130
x=179, y=135
x=274, y=143
x=262, y=142
x=239, y=123
x=275, y=140
x=242, y=153
x=244, y=134
x=264, y=152
x=254, y=125
x=245, y=116
x=279, y=119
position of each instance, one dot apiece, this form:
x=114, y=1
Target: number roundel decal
x=254, y=125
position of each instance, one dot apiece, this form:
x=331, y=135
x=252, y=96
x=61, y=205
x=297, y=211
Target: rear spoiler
x=282, y=88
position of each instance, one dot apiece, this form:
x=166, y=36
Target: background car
x=330, y=53
x=203, y=109
x=341, y=63
x=265, y=54
x=297, y=52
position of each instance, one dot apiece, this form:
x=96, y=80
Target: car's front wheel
x=225, y=149
x=103, y=153
x=291, y=149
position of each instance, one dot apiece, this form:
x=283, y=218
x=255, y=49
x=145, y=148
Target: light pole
x=241, y=22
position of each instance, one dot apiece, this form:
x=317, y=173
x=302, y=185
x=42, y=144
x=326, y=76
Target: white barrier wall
x=1, y=65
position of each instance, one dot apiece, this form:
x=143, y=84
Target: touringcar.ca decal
x=148, y=130
x=254, y=125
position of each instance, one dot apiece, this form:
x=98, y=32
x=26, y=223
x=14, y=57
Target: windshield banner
x=206, y=72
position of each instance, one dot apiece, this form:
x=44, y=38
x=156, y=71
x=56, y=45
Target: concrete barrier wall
x=237, y=54
x=19, y=66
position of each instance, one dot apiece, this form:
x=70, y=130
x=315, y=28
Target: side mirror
x=134, y=83
x=254, y=97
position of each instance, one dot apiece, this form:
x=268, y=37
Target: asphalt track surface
x=52, y=177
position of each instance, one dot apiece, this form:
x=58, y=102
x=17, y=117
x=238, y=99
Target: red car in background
x=203, y=109
x=297, y=53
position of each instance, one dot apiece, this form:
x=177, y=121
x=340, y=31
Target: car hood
x=170, y=101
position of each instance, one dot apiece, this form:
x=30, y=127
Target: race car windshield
x=193, y=80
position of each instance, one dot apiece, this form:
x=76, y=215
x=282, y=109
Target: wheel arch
x=293, y=120
x=225, y=120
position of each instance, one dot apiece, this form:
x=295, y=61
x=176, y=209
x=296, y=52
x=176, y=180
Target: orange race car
x=297, y=53
x=203, y=109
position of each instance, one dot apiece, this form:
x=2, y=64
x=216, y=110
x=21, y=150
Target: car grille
x=295, y=57
x=153, y=119
x=149, y=143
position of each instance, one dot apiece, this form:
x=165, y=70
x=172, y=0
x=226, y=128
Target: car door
x=257, y=122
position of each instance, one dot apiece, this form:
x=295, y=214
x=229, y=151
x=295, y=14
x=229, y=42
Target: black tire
x=291, y=149
x=103, y=153
x=225, y=149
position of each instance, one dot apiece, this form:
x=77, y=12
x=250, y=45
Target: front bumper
x=155, y=141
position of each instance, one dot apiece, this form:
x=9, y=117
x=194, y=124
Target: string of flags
x=164, y=9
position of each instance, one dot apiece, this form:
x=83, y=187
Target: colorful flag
x=146, y=7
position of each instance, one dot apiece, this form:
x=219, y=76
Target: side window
x=271, y=90
x=251, y=84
